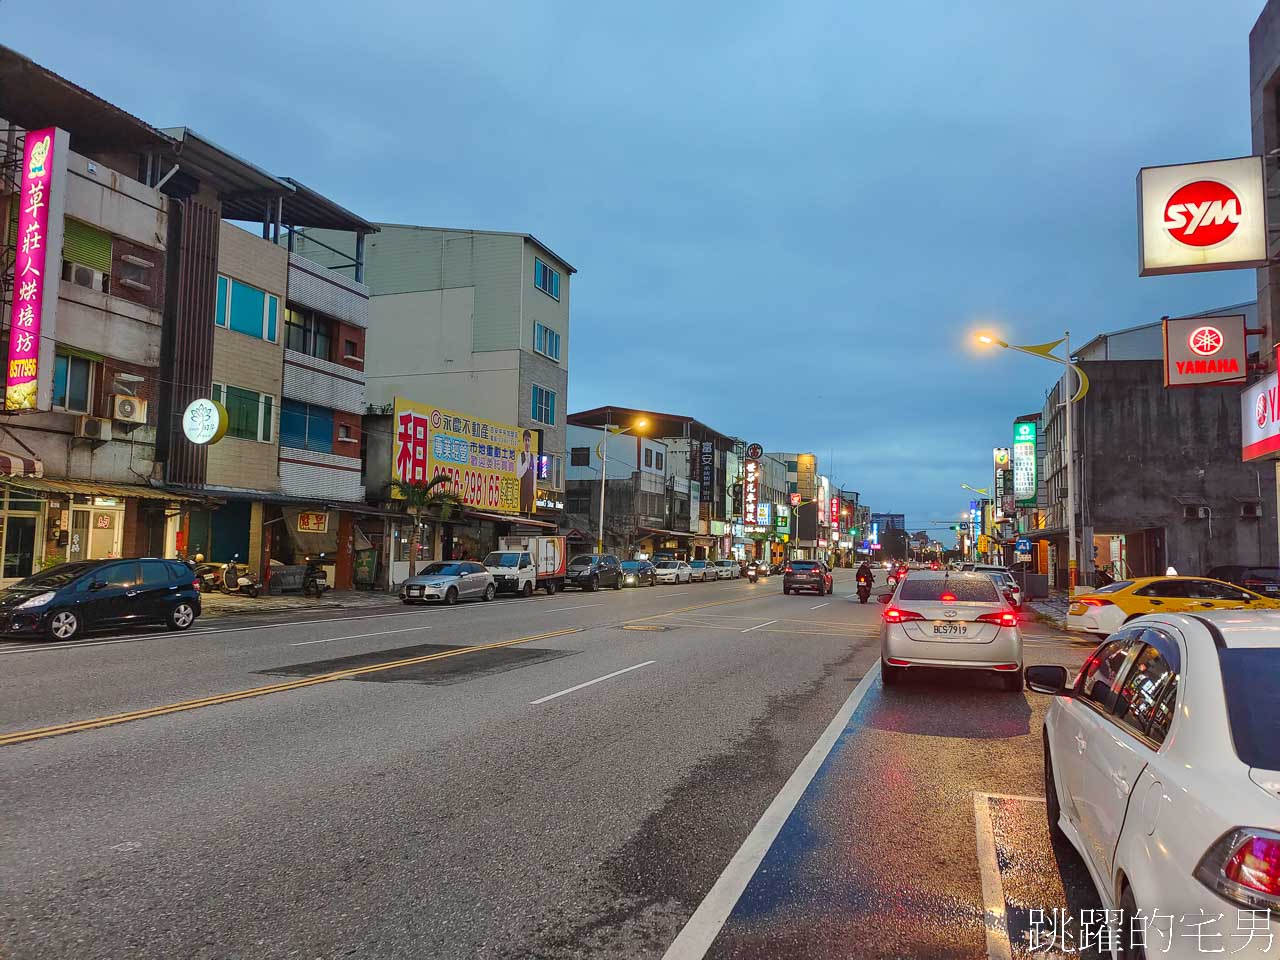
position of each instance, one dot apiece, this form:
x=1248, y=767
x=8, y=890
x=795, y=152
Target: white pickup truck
x=521, y=565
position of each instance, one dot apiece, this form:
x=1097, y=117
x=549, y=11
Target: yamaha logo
x=1205, y=341
x=1202, y=213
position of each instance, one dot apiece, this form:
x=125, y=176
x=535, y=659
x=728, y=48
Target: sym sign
x=1200, y=351
x=1260, y=418
x=1201, y=216
x=1024, y=462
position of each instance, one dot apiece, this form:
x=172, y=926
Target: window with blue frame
x=544, y=405
x=246, y=309
x=546, y=342
x=546, y=279
x=306, y=427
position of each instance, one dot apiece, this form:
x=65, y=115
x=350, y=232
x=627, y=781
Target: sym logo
x=1205, y=341
x=1202, y=213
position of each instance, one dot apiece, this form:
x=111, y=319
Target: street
x=564, y=776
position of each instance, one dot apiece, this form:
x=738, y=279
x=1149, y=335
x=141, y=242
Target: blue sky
x=786, y=218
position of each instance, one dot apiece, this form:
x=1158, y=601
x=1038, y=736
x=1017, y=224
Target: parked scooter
x=235, y=580
x=316, y=580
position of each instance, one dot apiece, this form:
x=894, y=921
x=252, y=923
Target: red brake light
x=1006, y=618
x=948, y=598
x=895, y=615
x=1256, y=865
x=1095, y=602
x=787, y=569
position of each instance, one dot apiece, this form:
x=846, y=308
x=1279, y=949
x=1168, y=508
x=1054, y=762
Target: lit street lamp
x=604, y=467
x=1045, y=352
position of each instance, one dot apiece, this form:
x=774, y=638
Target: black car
x=805, y=575
x=64, y=601
x=1263, y=580
x=591, y=571
x=639, y=573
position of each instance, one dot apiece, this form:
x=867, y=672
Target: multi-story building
x=803, y=481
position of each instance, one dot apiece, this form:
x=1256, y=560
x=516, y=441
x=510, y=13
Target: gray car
x=449, y=581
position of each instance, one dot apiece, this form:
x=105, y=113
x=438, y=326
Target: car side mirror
x=885, y=597
x=1050, y=678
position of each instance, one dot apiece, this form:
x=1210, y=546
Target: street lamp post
x=1045, y=352
x=604, y=468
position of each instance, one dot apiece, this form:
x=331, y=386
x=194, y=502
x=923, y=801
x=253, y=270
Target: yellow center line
x=79, y=726
x=696, y=606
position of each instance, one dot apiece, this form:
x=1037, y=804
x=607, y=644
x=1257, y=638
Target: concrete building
x=807, y=519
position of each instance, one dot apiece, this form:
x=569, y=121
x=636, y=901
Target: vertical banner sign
x=1024, y=463
x=708, y=471
x=37, y=270
x=835, y=516
x=750, y=491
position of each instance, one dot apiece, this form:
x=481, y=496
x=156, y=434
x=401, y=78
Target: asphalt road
x=565, y=776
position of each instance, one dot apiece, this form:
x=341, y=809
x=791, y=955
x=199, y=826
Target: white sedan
x=1162, y=767
x=728, y=570
x=674, y=571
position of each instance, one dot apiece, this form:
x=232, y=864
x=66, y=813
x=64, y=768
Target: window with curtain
x=544, y=405
x=306, y=427
x=249, y=413
x=309, y=333
x=73, y=383
x=546, y=279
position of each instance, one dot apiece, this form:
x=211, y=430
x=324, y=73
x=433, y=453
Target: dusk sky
x=787, y=218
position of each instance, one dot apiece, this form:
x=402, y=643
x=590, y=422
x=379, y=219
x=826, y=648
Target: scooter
x=235, y=580
x=756, y=572
x=864, y=590
x=316, y=580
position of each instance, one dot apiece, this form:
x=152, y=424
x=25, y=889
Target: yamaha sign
x=1204, y=351
x=1201, y=216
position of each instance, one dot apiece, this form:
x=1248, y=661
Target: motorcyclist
x=865, y=575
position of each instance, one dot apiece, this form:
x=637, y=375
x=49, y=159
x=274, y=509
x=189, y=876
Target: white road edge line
x=578, y=606
x=357, y=636
x=758, y=626
x=994, y=919
x=607, y=676
x=821, y=605
x=697, y=935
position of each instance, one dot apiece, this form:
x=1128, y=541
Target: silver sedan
x=449, y=581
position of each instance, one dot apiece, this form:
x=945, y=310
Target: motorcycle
x=235, y=580
x=316, y=580
x=864, y=590
x=757, y=572
x=209, y=577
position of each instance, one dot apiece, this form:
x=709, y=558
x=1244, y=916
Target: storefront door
x=21, y=526
x=96, y=533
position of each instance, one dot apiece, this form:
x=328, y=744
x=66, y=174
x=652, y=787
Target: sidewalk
x=1052, y=609
x=215, y=605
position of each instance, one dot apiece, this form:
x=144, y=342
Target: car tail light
x=895, y=615
x=1244, y=867
x=196, y=583
x=948, y=598
x=895, y=662
x=787, y=570
x=1094, y=602
x=1006, y=667
x=1005, y=618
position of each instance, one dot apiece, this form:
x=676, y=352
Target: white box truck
x=521, y=565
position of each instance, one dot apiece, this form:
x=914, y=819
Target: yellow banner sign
x=492, y=466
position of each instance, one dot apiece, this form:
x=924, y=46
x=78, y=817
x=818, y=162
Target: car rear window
x=155, y=573
x=803, y=564
x=1253, y=703
x=1262, y=573
x=1113, y=587
x=963, y=590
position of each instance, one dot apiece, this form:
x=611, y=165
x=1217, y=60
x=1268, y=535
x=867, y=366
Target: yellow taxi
x=1104, y=610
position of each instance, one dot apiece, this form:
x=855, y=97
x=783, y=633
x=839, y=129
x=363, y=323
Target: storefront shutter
x=82, y=243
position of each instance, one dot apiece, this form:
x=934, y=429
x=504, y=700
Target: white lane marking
x=1012, y=796
x=660, y=596
x=758, y=626
x=357, y=636
x=578, y=606
x=821, y=605
x=607, y=676
x=994, y=919
x=695, y=939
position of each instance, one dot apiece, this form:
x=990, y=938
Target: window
x=544, y=405
x=579, y=456
x=648, y=456
x=546, y=279
x=350, y=350
x=118, y=575
x=1145, y=702
x=310, y=333
x=246, y=309
x=964, y=589
x=657, y=460
x=1101, y=669
x=1208, y=590
x=344, y=431
x=248, y=412
x=577, y=502
x=1253, y=710
x=72, y=383
x=306, y=427
x=1180, y=589
x=155, y=573
x=546, y=341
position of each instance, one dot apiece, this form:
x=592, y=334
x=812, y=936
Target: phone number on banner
x=479, y=488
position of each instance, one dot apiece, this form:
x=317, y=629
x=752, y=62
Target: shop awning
x=311, y=543
x=16, y=465
x=667, y=533
x=508, y=518
x=90, y=488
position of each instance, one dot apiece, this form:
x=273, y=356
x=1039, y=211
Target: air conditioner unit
x=1195, y=513
x=93, y=428
x=128, y=409
x=1251, y=511
x=83, y=276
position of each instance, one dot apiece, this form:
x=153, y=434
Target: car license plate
x=1273, y=588
x=944, y=628
x=415, y=591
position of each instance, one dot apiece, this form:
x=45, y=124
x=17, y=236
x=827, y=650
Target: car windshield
x=502, y=560
x=582, y=560
x=631, y=565
x=441, y=568
x=698, y=563
x=1253, y=704
x=668, y=565
x=55, y=577
x=953, y=589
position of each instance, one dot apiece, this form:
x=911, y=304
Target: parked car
x=701, y=570
x=1162, y=768
x=728, y=570
x=449, y=581
x=63, y=601
x=591, y=571
x=638, y=573
x=1006, y=584
x=1104, y=610
x=674, y=571
x=1263, y=580
x=806, y=575
x=951, y=620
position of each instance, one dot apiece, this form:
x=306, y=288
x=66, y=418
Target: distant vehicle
x=1263, y=580
x=1162, y=768
x=64, y=601
x=449, y=581
x=1106, y=609
x=701, y=570
x=728, y=569
x=591, y=571
x=806, y=575
x=757, y=571
x=638, y=573
x=1005, y=581
x=524, y=564
x=674, y=571
x=951, y=620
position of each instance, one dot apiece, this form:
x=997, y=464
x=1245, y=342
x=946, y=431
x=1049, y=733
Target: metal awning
x=668, y=533
x=16, y=465
x=90, y=488
x=507, y=518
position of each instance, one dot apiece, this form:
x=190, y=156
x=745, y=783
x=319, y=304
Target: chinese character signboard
x=750, y=490
x=1024, y=463
x=835, y=516
x=492, y=465
x=1002, y=491
x=313, y=522
x=37, y=271
x=708, y=470
x=1204, y=350
x=782, y=521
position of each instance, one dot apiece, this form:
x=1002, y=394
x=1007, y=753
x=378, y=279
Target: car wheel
x=1053, y=809
x=489, y=591
x=617, y=583
x=1129, y=909
x=451, y=596
x=892, y=676
x=593, y=585
x=252, y=591
x=182, y=616
x=528, y=589
x=786, y=591
x=551, y=587
x=63, y=625
x=1012, y=681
